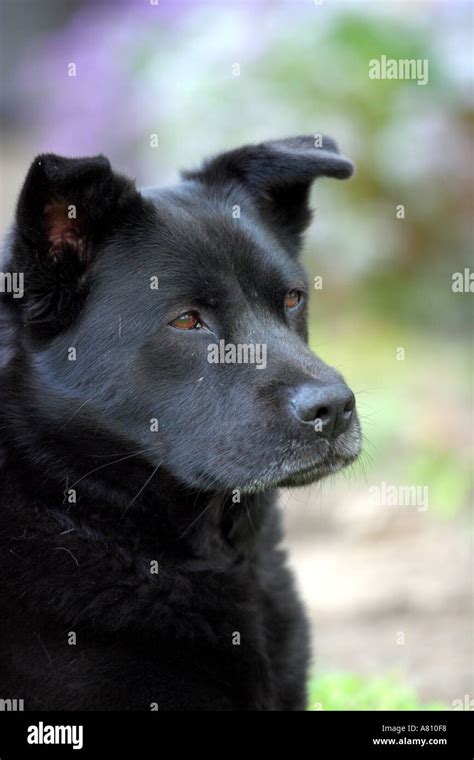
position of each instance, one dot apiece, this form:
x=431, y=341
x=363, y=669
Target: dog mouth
x=311, y=473
x=287, y=464
x=297, y=465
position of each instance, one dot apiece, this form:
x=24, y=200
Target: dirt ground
x=388, y=589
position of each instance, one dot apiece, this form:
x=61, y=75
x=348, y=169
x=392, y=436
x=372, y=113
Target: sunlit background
x=157, y=87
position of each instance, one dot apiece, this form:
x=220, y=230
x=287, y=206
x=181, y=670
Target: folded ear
x=65, y=208
x=279, y=174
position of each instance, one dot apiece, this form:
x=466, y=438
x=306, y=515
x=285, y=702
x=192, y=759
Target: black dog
x=156, y=388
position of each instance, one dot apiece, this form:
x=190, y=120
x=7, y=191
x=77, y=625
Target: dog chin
x=307, y=475
x=303, y=470
x=299, y=475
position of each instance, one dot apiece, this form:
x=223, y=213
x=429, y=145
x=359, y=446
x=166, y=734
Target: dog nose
x=327, y=407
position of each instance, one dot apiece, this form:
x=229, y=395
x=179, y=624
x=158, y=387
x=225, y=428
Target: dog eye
x=187, y=321
x=292, y=299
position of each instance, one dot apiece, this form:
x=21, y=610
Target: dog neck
x=122, y=496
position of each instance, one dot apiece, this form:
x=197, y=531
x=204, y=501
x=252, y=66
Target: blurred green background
x=388, y=588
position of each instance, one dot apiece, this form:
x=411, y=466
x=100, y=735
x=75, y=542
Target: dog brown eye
x=187, y=321
x=292, y=299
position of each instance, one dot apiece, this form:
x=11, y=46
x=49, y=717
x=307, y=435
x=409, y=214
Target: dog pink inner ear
x=64, y=228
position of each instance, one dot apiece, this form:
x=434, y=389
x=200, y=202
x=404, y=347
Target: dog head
x=175, y=319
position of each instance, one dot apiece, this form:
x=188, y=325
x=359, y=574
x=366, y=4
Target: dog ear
x=65, y=208
x=278, y=174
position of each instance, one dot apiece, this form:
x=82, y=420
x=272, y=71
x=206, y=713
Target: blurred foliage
x=346, y=691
